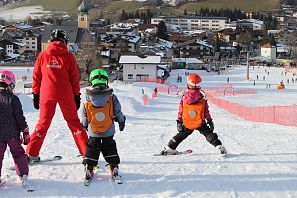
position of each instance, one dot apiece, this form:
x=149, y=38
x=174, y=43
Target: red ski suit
x=56, y=78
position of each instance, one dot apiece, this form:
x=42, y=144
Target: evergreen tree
x=162, y=30
x=123, y=16
x=217, y=43
x=185, y=12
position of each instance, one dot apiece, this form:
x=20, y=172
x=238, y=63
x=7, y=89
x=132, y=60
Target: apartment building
x=193, y=22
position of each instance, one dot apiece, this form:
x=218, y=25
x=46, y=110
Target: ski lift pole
x=248, y=66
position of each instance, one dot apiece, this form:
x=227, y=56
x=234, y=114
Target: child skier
x=12, y=125
x=100, y=111
x=193, y=115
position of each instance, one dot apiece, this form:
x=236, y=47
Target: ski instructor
x=56, y=80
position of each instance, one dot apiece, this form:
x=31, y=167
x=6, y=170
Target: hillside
x=113, y=8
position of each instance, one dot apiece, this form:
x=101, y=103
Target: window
x=142, y=66
x=130, y=76
x=134, y=66
x=82, y=18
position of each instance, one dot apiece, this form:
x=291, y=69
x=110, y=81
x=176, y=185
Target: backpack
x=100, y=118
x=193, y=114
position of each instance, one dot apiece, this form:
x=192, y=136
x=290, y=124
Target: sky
x=262, y=159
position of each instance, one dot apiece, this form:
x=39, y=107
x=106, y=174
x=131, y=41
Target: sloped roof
x=267, y=45
x=137, y=59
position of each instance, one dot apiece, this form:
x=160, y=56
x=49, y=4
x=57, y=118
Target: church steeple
x=82, y=19
x=83, y=7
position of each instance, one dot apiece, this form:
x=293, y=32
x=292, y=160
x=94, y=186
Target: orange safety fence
x=283, y=115
x=155, y=80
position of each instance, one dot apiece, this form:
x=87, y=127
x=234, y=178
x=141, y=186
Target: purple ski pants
x=18, y=154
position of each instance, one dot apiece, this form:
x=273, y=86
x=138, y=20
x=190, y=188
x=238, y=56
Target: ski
x=188, y=151
x=87, y=182
x=55, y=158
x=116, y=179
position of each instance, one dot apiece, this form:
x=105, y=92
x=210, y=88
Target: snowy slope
x=262, y=161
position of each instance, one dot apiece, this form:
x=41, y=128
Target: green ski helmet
x=98, y=77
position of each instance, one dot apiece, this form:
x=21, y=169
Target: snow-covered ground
x=262, y=160
x=21, y=13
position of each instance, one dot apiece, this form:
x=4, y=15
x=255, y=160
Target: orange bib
x=100, y=118
x=193, y=114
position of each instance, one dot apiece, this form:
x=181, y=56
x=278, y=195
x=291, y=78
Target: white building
x=136, y=68
x=268, y=51
x=193, y=22
x=250, y=24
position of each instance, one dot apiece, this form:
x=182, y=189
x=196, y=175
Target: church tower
x=83, y=10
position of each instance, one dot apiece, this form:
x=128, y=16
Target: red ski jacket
x=56, y=73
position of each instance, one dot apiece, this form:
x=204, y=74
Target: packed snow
x=262, y=160
x=21, y=13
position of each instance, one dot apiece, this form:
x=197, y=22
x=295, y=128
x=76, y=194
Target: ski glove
x=210, y=125
x=179, y=125
x=36, y=98
x=77, y=101
x=26, y=136
x=122, y=124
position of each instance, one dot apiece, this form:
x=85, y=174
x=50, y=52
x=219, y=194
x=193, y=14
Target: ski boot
x=113, y=170
x=32, y=160
x=221, y=149
x=25, y=183
x=169, y=151
x=89, y=173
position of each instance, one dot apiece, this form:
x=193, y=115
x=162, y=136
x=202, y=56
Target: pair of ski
x=115, y=178
x=24, y=181
x=185, y=152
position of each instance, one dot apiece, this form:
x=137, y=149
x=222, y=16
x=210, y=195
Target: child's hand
x=210, y=125
x=179, y=125
x=122, y=124
x=26, y=136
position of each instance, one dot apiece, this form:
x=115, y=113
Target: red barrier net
x=283, y=115
x=155, y=80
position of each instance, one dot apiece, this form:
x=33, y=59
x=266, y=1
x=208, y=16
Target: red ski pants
x=47, y=112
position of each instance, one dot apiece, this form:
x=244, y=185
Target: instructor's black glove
x=179, y=125
x=77, y=101
x=36, y=98
x=122, y=124
x=210, y=125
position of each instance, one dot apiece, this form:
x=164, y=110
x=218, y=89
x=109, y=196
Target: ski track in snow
x=262, y=160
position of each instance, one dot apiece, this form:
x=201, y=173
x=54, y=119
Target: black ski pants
x=105, y=145
x=211, y=137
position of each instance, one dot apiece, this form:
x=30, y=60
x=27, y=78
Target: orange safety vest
x=100, y=118
x=193, y=114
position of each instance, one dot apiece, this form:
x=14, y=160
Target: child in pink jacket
x=193, y=115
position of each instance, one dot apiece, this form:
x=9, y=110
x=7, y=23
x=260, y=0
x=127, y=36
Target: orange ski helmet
x=193, y=80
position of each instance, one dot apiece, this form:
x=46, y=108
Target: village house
x=268, y=51
x=137, y=69
x=193, y=22
x=118, y=45
x=187, y=63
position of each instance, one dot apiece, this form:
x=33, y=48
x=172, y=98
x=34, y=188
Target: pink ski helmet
x=7, y=77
